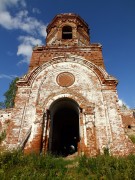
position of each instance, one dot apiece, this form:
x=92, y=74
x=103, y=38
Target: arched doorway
x=64, y=127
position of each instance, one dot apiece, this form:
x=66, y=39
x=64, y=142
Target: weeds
x=107, y=167
x=15, y=165
x=2, y=136
x=132, y=137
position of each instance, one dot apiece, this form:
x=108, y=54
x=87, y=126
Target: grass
x=17, y=166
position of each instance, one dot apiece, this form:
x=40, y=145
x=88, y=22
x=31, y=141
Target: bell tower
x=67, y=33
x=67, y=30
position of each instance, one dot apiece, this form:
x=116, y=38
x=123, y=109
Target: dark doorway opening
x=64, y=132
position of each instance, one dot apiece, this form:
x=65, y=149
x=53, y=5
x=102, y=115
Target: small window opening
x=67, y=32
x=129, y=126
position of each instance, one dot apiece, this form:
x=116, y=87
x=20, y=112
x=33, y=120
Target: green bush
x=10, y=95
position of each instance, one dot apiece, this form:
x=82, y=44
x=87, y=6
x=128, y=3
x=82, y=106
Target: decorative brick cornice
x=102, y=75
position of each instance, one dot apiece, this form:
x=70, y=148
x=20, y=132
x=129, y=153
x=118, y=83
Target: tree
x=9, y=95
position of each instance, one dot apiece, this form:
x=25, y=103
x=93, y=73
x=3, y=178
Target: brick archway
x=72, y=105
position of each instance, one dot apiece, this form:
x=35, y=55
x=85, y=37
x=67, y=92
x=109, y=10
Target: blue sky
x=112, y=24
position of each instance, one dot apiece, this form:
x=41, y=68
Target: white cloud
x=4, y=4
x=7, y=76
x=6, y=20
x=36, y=10
x=26, y=46
x=22, y=21
x=122, y=103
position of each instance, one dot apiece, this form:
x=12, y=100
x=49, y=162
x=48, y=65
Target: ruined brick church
x=67, y=99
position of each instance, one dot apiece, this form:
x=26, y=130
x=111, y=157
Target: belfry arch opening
x=67, y=32
x=64, y=127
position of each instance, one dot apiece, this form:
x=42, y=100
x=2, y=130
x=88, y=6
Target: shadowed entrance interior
x=64, y=132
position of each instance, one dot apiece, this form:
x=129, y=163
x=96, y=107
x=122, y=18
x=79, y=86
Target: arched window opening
x=67, y=32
